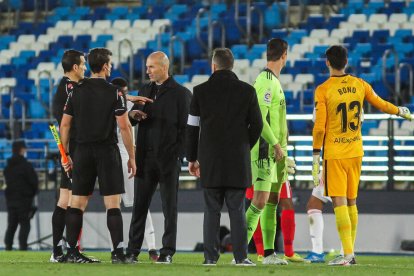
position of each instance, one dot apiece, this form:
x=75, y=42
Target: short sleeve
x=68, y=107
x=121, y=104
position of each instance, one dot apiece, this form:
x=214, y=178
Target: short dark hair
x=276, y=47
x=70, y=58
x=337, y=56
x=223, y=58
x=97, y=58
x=17, y=146
x=119, y=82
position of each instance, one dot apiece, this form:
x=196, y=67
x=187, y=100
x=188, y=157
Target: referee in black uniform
x=96, y=107
x=73, y=64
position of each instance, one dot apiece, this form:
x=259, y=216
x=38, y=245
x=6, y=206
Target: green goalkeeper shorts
x=279, y=175
x=262, y=171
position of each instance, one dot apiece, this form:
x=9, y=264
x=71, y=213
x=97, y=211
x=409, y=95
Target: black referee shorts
x=102, y=161
x=64, y=180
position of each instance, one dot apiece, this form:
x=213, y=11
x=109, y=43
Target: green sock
x=268, y=224
x=252, y=219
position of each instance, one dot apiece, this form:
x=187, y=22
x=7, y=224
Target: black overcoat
x=224, y=124
x=167, y=118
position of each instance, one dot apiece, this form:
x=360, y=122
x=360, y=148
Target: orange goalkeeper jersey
x=338, y=110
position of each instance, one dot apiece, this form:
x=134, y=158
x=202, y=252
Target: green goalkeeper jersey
x=273, y=107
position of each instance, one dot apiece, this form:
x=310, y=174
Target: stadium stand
x=30, y=54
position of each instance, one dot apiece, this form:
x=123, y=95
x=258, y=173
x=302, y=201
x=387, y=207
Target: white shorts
x=128, y=197
x=318, y=191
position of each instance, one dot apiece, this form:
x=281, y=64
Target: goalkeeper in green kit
x=269, y=155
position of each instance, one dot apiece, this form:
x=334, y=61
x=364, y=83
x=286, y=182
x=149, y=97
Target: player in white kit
x=314, y=209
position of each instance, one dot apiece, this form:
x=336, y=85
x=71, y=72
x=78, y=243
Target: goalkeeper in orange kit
x=338, y=108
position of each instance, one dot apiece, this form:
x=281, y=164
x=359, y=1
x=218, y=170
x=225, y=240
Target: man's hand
x=315, y=169
x=404, y=112
x=68, y=165
x=291, y=165
x=132, y=168
x=138, y=99
x=194, y=168
x=138, y=115
x=278, y=153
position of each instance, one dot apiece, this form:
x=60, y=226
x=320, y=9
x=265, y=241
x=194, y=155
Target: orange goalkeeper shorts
x=341, y=177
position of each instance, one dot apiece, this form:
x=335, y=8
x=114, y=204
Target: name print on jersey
x=347, y=89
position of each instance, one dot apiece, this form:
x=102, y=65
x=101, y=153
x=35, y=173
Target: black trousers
x=144, y=190
x=214, y=199
x=17, y=214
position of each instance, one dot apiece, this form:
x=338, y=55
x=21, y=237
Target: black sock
x=58, y=226
x=115, y=227
x=268, y=252
x=74, y=219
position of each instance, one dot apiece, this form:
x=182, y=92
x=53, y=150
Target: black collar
x=270, y=71
x=168, y=83
x=340, y=76
x=224, y=74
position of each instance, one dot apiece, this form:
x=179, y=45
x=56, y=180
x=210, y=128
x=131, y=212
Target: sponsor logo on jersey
x=346, y=140
x=267, y=97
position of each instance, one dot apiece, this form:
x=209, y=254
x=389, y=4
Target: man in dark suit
x=223, y=125
x=159, y=152
x=22, y=186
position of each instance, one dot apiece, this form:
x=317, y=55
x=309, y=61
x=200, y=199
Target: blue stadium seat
x=307, y=97
x=396, y=6
x=363, y=49
x=104, y=38
x=239, y=51
x=272, y=17
x=377, y=5
x=380, y=36
x=132, y=16
x=101, y=12
x=82, y=11
x=282, y=33
x=181, y=78
x=303, y=66
x=256, y=52
x=314, y=21
x=334, y=20
x=36, y=110
x=218, y=8
x=356, y=4
x=122, y=11
x=65, y=41
x=298, y=34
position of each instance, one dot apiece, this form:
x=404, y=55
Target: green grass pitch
x=37, y=263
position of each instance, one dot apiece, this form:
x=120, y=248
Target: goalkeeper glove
x=290, y=165
x=404, y=112
x=315, y=169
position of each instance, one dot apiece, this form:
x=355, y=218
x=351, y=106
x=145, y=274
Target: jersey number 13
x=355, y=115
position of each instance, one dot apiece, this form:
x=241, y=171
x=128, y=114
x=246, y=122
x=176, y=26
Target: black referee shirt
x=63, y=92
x=94, y=105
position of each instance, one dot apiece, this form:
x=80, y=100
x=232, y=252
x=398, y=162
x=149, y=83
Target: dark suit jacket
x=21, y=179
x=167, y=118
x=230, y=124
